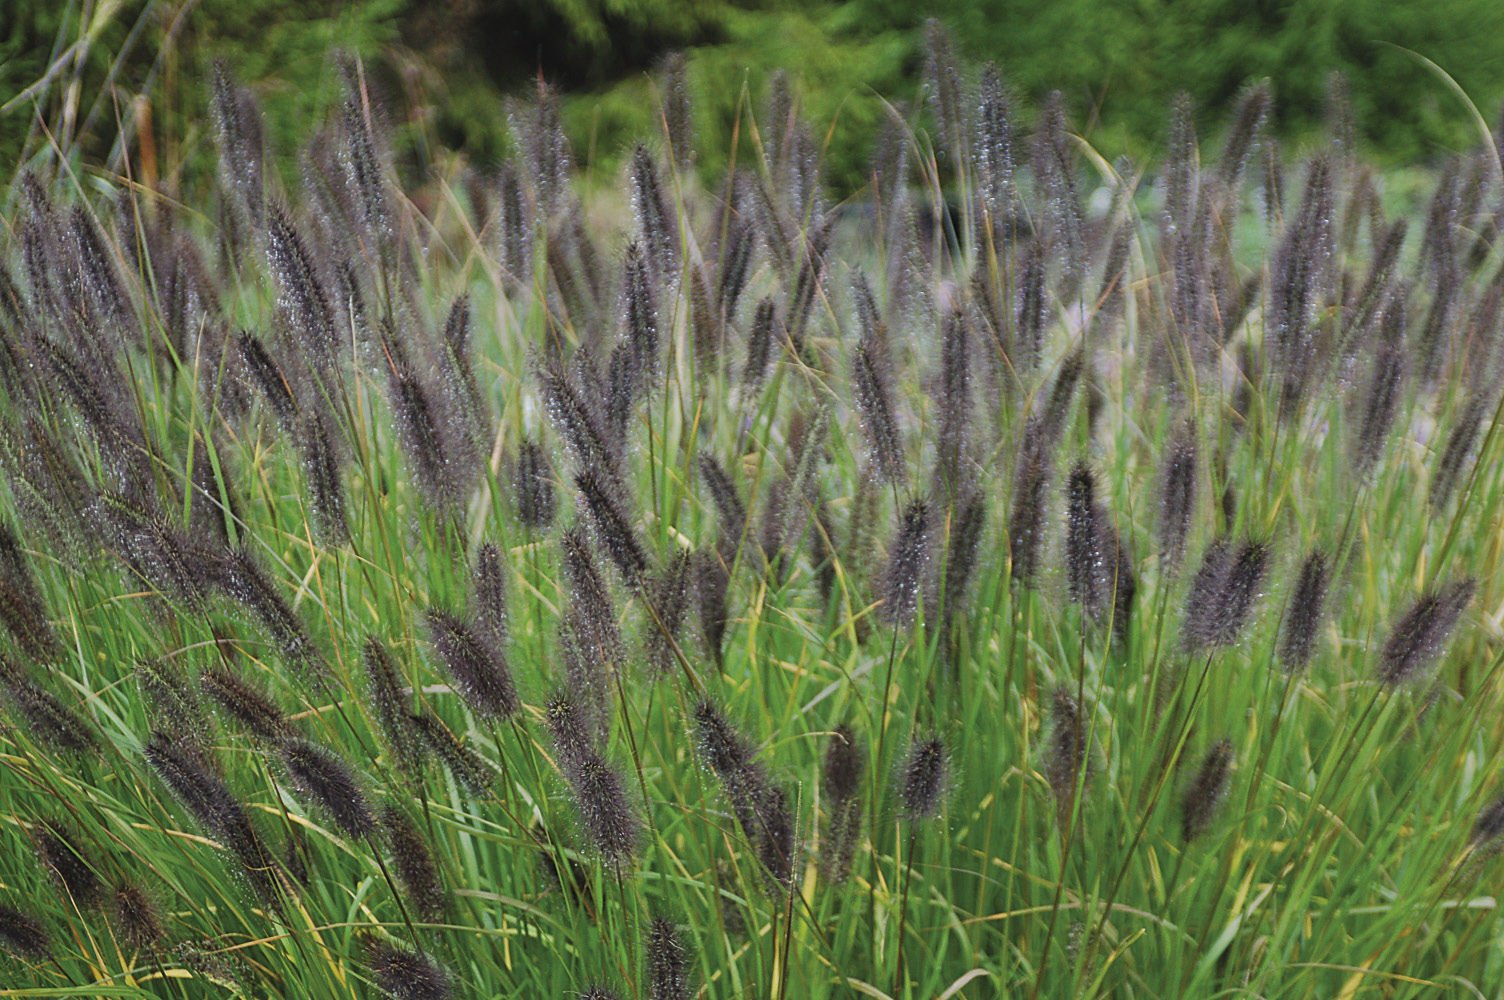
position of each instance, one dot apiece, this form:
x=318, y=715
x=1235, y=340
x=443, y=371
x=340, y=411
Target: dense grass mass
x=1038, y=578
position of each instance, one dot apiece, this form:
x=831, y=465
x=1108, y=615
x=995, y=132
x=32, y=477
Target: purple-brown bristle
x=942, y=73
x=845, y=764
x=301, y=298
x=1204, y=795
x=384, y=687
x=668, y=963
x=760, y=339
x=1057, y=410
x=640, y=306
x=907, y=560
x=479, y=668
x=418, y=417
x=1489, y=826
x=994, y=151
x=173, y=701
x=414, y=864
x=243, y=581
x=1304, y=615
x=66, y=863
x=656, y=224
x=872, y=392
x=926, y=776
x=605, y=811
x=590, y=600
x=268, y=378
x=321, y=775
x=1451, y=467
x=723, y=494
x=677, y=108
x=954, y=404
x=1177, y=497
x=1031, y=308
x=967, y=526
x=22, y=933
x=1223, y=593
x=546, y=156
x=205, y=795
x=775, y=835
x=468, y=767
x=670, y=600
x=1421, y=634
x=534, y=485
x=136, y=918
x=612, y=526
x=1382, y=400
x=1053, y=159
x=711, y=584
x=49, y=721
x=22, y=608
x=488, y=596
x=579, y=423
x=1026, y=524
x=404, y=974
x=1066, y=763
x=247, y=704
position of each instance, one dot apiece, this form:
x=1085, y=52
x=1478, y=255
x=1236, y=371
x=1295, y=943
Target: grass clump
x=1082, y=587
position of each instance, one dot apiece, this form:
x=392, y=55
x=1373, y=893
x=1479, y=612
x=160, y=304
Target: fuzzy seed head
x=246, y=704
x=611, y=526
x=21, y=934
x=468, y=767
x=1421, y=634
x=414, y=864
x=1223, y=593
x=66, y=863
x=384, y=689
x=404, y=974
x=845, y=764
x=907, y=561
x=488, y=596
x=1303, y=617
x=136, y=918
x=1204, y=795
x=1489, y=826
x=1066, y=757
x=534, y=485
x=478, y=668
x=322, y=776
x=667, y=962
x=1177, y=497
x=926, y=774
x=605, y=811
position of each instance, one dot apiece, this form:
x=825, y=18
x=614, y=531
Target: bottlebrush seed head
x=404, y=974
x=926, y=774
x=907, y=561
x=468, y=767
x=668, y=963
x=479, y=668
x=534, y=486
x=845, y=764
x=136, y=918
x=66, y=863
x=1208, y=788
x=1303, y=617
x=23, y=935
x=249, y=706
x=1421, y=634
x=322, y=776
x=414, y=864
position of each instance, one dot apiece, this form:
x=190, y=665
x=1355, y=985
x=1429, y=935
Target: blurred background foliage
x=453, y=61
